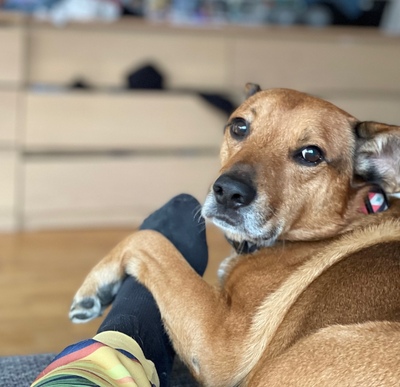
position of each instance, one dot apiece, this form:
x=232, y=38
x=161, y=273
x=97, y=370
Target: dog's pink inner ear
x=251, y=89
x=378, y=154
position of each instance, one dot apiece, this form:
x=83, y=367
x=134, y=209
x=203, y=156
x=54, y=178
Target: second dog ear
x=377, y=157
x=251, y=89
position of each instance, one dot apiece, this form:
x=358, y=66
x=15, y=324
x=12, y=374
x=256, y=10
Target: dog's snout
x=232, y=192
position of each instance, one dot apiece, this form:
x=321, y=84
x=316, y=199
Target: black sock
x=134, y=310
x=179, y=221
x=135, y=313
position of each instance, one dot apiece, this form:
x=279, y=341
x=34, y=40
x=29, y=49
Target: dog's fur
x=318, y=302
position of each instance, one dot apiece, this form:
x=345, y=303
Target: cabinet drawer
x=381, y=108
x=315, y=65
x=12, y=55
x=8, y=162
x=8, y=117
x=100, y=191
x=104, y=57
x=127, y=121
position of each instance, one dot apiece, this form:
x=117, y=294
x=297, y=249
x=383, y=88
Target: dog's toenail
x=80, y=316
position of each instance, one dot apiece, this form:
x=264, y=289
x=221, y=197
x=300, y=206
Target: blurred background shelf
x=105, y=156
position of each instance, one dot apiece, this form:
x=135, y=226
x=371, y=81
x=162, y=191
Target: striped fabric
x=109, y=359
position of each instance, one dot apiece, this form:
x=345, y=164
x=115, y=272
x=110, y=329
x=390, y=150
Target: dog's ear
x=377, y=158
x=251, y=89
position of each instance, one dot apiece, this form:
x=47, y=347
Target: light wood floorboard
x=39, y=274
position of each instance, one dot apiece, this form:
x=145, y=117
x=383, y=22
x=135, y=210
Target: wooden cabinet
x=100, y=190
x=381, y=107
x=12, y=39
x=108, y=156
x=121, y=121
x=9, y=194
x=11, y=77
x=104, y=55
x=101, y=159
x=9, y=114
x=319, y=61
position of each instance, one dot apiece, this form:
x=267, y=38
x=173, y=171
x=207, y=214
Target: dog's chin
x=262, y=236
x=244, y=224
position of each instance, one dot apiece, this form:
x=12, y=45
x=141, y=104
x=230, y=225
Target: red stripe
x=67, y=359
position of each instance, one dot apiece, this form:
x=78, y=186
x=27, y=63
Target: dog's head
x=296, y=167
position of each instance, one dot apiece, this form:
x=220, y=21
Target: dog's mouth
x=246, y=229
x=246, y=242
x=228, y=222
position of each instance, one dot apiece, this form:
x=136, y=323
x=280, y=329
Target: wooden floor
x=39, y=274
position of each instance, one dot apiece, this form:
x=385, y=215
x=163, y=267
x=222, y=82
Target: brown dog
x=312, y=298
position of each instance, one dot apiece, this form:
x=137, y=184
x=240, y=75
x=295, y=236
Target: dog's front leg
x=195, y=315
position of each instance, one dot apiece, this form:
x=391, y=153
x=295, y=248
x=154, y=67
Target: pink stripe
x=84, y=352
x=126, y=379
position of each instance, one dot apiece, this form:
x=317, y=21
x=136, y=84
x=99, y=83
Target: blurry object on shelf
x=65, y=11
x=25, y=5
x=257, y=12
x=285, y=12
x=219, y=101
x=208, y=11
x=352, y=12
x=391, y=18
x=81, y=84
x=248, y=12
x=147, y=77
x=156, y=10
x=183, y=11
x=132, y=7
x=349, y=9
x=316, y=13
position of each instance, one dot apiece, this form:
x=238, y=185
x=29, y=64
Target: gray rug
x=21, y=371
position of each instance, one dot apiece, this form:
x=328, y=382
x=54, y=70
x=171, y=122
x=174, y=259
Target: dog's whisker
x=198, y=218
x=202, y=229
x=197, y=214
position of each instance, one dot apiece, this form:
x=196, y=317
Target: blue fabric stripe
x=75, y=348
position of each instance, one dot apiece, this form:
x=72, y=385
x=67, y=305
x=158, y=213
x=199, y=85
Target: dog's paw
x=85, y=308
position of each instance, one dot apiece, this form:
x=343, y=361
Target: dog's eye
x=239, y=128
x=310, y=155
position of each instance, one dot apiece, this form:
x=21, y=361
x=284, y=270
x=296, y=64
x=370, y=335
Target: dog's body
x=315, y=300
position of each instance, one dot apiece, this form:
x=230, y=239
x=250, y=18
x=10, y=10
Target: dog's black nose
x=232, y=192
